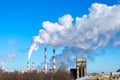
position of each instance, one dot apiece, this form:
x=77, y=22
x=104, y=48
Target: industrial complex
x=78, y=73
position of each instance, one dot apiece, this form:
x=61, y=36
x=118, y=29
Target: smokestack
x=28, y=66
x=45, y=60
x=32, y=66
x=54, y=61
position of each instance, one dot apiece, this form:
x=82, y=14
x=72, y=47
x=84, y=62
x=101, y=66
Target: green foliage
x=60, y=75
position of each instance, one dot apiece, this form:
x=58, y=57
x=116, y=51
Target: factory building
x=81, y=67
x=80, y=70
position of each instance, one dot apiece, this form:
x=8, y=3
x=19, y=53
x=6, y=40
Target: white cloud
x=89, y=31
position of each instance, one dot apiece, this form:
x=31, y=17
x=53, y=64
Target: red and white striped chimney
x=54, y=61
x=45, y=60
x=28, y=66
x=32, y=66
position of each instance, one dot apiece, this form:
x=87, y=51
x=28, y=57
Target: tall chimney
x=54, y=61
x=28, y=66
x=32, y=66
x=45, y=60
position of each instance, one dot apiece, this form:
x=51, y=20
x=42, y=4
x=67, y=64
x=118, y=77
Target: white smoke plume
x=7, y=59
x=32, y=48
x=89, y=32
x=69, y=55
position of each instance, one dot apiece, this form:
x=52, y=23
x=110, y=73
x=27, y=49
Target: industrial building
x=81, y=67
x=80, y=70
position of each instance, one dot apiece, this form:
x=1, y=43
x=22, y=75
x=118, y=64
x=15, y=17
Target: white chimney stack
x=45, y=60
x=32, y=66
x=28, y=66
x=54, y=61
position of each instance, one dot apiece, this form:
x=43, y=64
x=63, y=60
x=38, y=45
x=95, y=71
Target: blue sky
x=20, y=20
